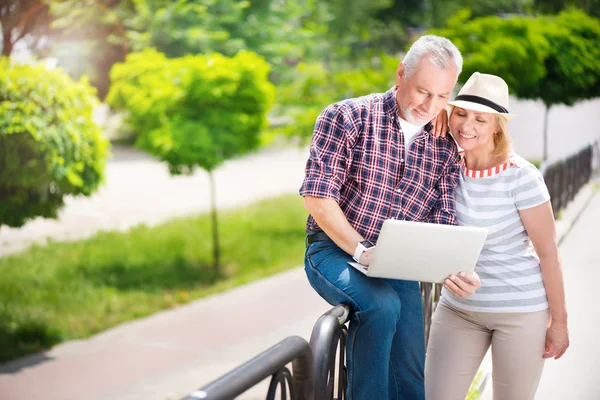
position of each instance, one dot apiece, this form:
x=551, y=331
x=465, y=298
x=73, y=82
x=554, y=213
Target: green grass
x=63, y=291
x=474, y=393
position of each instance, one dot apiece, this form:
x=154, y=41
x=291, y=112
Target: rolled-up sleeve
x=326, y=169
x=444, y=210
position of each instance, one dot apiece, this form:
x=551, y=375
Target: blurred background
x=151, y=150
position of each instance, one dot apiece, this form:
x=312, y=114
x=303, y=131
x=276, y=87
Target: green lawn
x=63, y=291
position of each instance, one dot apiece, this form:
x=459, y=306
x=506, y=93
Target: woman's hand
x=462, y=285
x=557, y=339
x=440, y=124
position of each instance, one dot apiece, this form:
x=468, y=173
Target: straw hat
x=484, y=93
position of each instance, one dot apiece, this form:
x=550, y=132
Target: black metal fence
x=318, y=368
x=566, y=177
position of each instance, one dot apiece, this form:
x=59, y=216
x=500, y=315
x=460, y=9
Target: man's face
x=423, y=94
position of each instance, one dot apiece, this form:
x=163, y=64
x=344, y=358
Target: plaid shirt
x=357, y=158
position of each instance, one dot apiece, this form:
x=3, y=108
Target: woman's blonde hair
x=502, y=138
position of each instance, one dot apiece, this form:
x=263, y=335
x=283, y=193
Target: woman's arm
x=539, y=223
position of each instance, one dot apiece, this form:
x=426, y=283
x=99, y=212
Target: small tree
x=49, y=145
x=552, y=58
x=195, y=111
x=573, y=65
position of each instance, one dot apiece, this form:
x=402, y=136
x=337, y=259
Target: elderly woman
x=519, y=309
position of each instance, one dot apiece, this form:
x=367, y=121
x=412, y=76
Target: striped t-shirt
x=509, y=268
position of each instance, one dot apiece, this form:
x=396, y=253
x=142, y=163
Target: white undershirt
x=410, y=132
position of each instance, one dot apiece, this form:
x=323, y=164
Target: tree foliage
x=435, y=13
x=92, y=35
x=590, y=7
x=49, y=145
x=572, y=65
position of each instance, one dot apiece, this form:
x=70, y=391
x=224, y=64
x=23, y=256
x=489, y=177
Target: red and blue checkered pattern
x=357, y=158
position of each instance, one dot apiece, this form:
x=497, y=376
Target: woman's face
x=473, y=130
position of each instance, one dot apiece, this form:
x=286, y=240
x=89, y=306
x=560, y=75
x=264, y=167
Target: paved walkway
x=576, y=375
x=171, y=353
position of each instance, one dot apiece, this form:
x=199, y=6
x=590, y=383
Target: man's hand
x=440, y=124
x=463, y=285
x=367, y=257
x=557, y=339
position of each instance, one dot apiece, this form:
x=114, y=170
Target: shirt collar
x=390, y=106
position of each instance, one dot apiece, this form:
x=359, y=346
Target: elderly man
x=373, y=158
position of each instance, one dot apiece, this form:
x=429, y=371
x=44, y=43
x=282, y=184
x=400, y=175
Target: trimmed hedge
x=49, y=145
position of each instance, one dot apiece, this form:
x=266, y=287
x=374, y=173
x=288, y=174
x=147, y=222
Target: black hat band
x=482, y=101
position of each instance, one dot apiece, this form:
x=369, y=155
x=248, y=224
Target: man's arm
x=326, y=175
x=332, y=220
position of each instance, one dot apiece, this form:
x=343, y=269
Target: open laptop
x=424, y=252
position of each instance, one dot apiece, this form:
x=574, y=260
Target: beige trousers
x=459, y=340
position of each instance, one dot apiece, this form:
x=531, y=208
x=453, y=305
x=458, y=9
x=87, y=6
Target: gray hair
x=440, y=51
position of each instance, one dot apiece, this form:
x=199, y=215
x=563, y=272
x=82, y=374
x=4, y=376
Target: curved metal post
x=271, y=362
x=327, y=332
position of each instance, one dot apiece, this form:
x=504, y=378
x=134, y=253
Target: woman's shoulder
x=526, y=175
x=521, y=165
x=517, y=161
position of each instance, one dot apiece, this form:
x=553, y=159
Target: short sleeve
x=530, y=189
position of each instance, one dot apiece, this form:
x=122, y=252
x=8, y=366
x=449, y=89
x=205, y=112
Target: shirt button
x=402, y=160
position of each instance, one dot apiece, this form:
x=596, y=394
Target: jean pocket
x=318, y=251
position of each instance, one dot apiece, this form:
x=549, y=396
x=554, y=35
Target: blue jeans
x=386, y=347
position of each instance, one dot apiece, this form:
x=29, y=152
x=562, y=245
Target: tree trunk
x=545, y=137
x=6, y=43
x=215, y=227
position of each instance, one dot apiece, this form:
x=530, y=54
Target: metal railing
x=430, y=293
x=272, y=362
x=328, y=340
x=564, y=178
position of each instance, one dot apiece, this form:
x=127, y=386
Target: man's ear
x=400, y=72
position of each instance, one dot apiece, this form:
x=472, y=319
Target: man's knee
x=386, y=306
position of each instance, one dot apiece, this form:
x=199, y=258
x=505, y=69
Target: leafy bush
x=49, y=145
